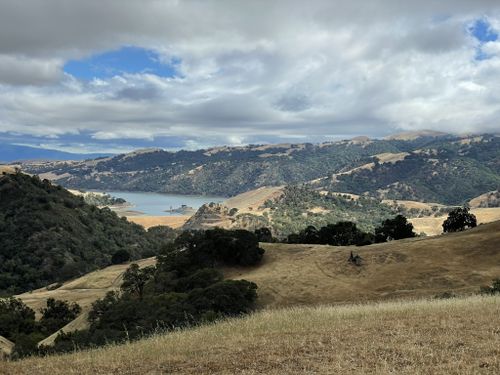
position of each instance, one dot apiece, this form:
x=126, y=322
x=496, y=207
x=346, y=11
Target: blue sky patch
x=126, y=60
x=482, y=31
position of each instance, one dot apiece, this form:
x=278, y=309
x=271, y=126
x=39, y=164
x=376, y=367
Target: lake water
x=155, y=204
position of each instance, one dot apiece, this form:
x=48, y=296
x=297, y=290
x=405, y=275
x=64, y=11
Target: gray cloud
x=250, y=70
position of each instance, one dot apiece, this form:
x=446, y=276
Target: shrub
x=493, y=289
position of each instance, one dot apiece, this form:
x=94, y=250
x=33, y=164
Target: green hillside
x=49, y=235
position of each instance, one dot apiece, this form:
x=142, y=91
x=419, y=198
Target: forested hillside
x=445, y=169
x=445, y=172
x=225, y=171
x=49, y=235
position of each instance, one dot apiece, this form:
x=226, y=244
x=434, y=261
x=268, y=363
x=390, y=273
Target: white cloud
x=251, y=70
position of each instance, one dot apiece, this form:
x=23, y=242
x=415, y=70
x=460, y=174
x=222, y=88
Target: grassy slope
x=458, y=336
x=312, y=274
x=85, y=289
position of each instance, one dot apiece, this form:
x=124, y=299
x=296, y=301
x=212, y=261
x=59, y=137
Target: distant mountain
x=408, y=136
x=427, y=167
x=11, y=153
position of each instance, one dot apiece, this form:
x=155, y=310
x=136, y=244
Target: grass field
x=313, y=274
x=454, y=336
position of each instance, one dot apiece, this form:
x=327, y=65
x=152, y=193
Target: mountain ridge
x=423, y=168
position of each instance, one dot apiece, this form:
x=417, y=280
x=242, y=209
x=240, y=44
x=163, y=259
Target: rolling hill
x=424, y=167
x=314, y=274
x=310, y=275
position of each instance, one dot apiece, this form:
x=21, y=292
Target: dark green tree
x=264, y=235
x=57, y=314
x=394, y=229
x=459, y=219
x=15, y=318
x=121, y=256
x=343, y=233
x=135, y=279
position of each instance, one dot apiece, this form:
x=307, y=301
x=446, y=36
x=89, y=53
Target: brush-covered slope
x=311, y=274
x=454, y=336
x=49, y=235
x=290, y=209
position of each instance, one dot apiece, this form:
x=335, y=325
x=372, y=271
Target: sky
x=116, y=75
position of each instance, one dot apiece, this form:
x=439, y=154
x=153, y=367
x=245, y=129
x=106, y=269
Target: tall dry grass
x=456, y=336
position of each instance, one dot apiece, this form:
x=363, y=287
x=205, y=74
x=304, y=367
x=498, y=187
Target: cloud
x=20, y=70
x=250, y=71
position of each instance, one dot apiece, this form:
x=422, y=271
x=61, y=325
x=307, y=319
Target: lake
x=156, y=204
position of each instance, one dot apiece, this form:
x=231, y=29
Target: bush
x=493, y=289
x=15, y=318
x=264, y=235
x=17, y=323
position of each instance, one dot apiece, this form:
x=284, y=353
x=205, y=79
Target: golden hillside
x=454, y=336
x=315, y=274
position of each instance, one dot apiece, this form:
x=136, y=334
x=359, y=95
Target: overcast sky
x=99, y=75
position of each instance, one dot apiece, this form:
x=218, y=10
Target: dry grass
x=250, y=201
x=313, y=274
x=6, y=347
x=6, y=169
x=292, y=275
x=458, y=336
x=433, y=226
x=389, y=157
x=151, y=221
